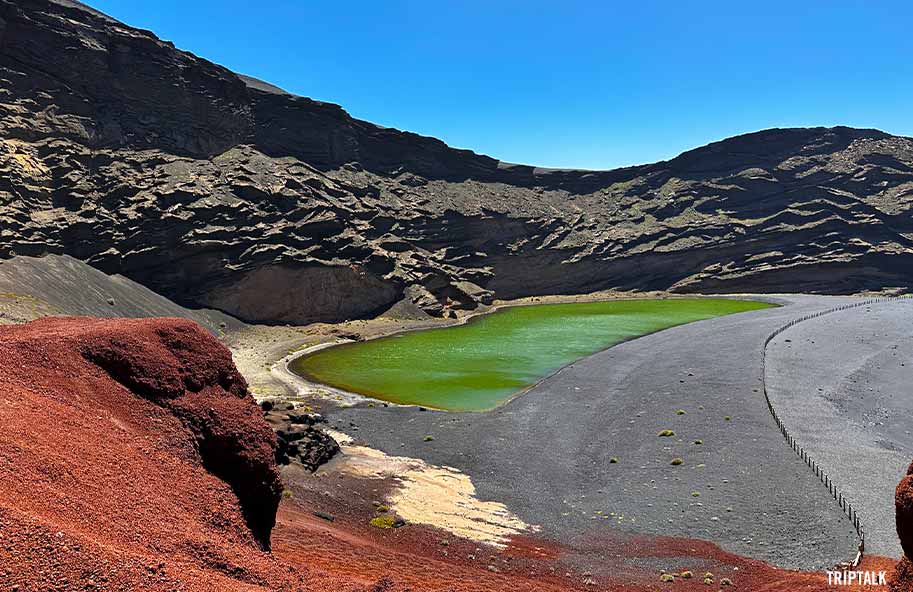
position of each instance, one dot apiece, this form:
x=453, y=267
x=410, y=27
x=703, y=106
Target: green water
x=478, y=365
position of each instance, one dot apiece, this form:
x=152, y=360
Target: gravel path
x=842, y=385
x=547, y=454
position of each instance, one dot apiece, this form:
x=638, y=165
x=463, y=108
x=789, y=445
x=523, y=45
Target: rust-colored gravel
x=103, y=488
x=133, y=458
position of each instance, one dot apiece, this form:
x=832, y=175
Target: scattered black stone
x=305, y=418
x=324, y=516
x=306, y=444
x=352, y=336
x=266, y=406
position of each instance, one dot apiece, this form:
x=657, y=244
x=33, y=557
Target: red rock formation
x=902, y=579
x=903, y=507
x=132, y=457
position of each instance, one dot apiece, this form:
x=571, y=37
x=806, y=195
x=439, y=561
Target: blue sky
x=565, y=83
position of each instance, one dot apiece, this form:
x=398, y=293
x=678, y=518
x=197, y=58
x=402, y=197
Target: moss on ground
x=384, y=522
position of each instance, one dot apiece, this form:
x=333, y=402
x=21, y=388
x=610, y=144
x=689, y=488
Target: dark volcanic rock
x=222, y=191
x=308, y=445
x=305, y=418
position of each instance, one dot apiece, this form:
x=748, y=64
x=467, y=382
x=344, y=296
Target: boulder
x=902, y=578
x=305, y=444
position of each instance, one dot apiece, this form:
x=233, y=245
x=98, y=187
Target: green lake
x=478, y=365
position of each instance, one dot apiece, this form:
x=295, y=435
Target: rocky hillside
x=224, y=192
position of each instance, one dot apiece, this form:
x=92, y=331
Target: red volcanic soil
x=422, y=558
x=416, y=561
x=133, y=458
x=902, y=578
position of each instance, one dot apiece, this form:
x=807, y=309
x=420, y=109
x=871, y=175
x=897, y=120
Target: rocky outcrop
x=902, y=578
x=306, y=444
x=175, y=365
x=218, y=190
x=132, y=457
x=903, y=507
x=300, y=436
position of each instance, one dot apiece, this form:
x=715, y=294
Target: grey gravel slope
x=61, y=285
x=842, y=385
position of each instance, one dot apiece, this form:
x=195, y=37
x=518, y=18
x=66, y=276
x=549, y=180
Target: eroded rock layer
x=132, y=457
x=217, y=190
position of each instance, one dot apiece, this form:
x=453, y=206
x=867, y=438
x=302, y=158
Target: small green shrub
x=428, y=438
x=665, y=433
x=687, y=575
x=725, y=582
x=680, y=412
x=613, y=460
x=666, y=578
x=382, y=508
x=383, y=522
x=698, y=442
x=676, y=461
x=695, y=494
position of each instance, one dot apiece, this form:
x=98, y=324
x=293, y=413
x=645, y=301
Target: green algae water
x=476, y=366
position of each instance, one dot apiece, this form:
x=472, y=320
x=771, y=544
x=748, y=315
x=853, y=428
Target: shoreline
x=304, y=388
x=587, y=416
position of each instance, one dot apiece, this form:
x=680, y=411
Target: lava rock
x=307, y=445
x=305, y=418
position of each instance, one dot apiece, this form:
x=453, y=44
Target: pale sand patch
x=446, y=498
x=434, y=495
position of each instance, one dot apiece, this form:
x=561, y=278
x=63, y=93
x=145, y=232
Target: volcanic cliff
x=132, y=457
x=220, y=191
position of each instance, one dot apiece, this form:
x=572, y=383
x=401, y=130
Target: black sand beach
x=547, y=454
x=841, y=383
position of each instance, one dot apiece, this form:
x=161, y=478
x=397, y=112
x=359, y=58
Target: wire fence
x=835, y=491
